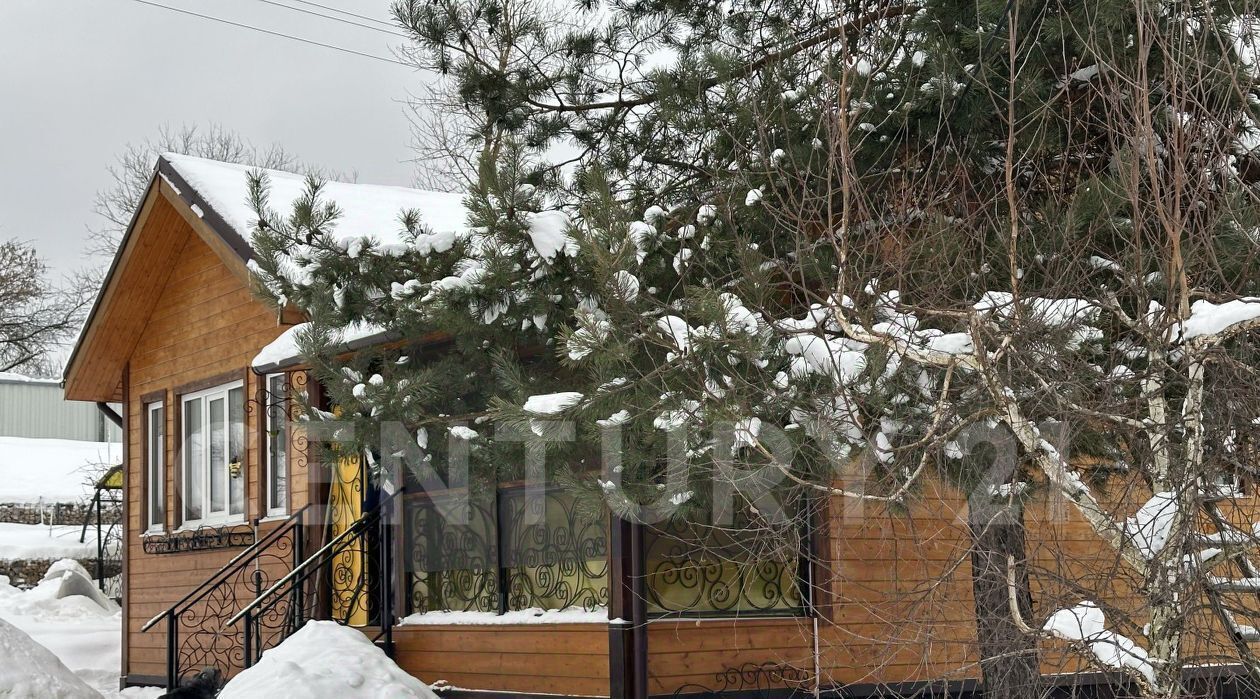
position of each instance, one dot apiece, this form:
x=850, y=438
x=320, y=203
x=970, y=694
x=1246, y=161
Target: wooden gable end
x=160, y=231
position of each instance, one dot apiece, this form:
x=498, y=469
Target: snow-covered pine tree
x=783, y=235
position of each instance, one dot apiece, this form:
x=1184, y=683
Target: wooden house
x=235, y=535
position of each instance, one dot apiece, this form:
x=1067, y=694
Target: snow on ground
x=30, y=671
x=30, y=541
x=82, y=634
x=324, y=660
x=51, y=470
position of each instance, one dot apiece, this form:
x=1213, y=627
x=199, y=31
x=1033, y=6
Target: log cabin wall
x=564, y=659
x=206, y=324
x=896, y=605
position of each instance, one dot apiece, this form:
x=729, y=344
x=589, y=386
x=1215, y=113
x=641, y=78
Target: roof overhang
x=95, y=369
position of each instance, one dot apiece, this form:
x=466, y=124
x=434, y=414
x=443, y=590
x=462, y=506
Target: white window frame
x=269, y=468
x=154, y=465
x=209, y=517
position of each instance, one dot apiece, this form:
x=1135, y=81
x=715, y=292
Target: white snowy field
x=30, y=541
x=52, y=470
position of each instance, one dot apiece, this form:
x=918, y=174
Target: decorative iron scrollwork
x=751, y=677
x=554, y=557
x=452, y=560
x=696, y=569
x=521, y=553
x=200, y=539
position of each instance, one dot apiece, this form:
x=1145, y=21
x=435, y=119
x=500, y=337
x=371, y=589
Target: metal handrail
x=294, y=584
x=239, y=560
x=294, y=523
x=315, y=558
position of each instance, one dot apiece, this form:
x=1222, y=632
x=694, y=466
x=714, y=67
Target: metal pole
x=249, y=639
x=501, y=537
x=100, y=544
x=172, y=650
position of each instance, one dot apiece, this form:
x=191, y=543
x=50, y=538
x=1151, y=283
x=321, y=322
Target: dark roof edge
x=189, y=195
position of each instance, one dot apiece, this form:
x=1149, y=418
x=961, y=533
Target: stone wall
x=54, y=512
x=27, y=573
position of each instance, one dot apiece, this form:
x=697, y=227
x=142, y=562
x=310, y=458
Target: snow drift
x=30, y=671
x=325, y=660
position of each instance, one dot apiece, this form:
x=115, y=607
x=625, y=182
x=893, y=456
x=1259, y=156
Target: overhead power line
x=344, y=12
x=334, y=18
x=270, y=32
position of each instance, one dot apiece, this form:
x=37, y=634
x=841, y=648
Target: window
x=501, y=558
x=748, y=567
x=213, y=483
x=155, y=466
x=277, y=438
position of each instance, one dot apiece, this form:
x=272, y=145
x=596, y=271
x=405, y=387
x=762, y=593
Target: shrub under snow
x=325, y=660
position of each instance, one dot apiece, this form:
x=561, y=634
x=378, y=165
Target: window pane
x=194, y=460
x=277, y=444
x=556, y=555
x=157, y=465
x=697, y=568
x=453, y=552
x=236, y=450
x=218, y=455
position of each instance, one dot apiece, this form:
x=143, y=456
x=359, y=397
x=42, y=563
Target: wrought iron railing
x=197, y=628
x=351, y=577
x=509, y=551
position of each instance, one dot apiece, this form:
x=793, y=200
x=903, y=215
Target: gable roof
x=212, y=198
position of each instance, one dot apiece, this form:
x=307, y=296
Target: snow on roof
x=10, y=377
x=324, y=660
x=51, y=470
x=367, y=210
x=284, y=351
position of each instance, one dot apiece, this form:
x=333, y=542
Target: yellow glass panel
x=350, y=583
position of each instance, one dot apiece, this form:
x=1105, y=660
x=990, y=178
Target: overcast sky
x=80, y=79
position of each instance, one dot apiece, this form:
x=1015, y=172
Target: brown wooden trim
x=822, y=596
x=210, y=382
x=127, y=540
x=233, y=257
x=145, y=401
x=153, y=396
x=109, y=290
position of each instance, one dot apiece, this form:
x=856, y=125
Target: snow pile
x=51, y=470
x=71, y=622
x=552, y=403
x=1150, y=526
x=10, y=377
x=325, y=660
x=367, y=211
x=1086, y=623
x=30, y=671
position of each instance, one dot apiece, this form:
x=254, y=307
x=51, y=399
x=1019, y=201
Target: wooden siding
x=204, y=323
x=896, y=600
x=537, y=658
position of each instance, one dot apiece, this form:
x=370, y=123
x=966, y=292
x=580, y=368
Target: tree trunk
x=1009, y=662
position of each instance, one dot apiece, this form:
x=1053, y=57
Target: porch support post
x=627, y=636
